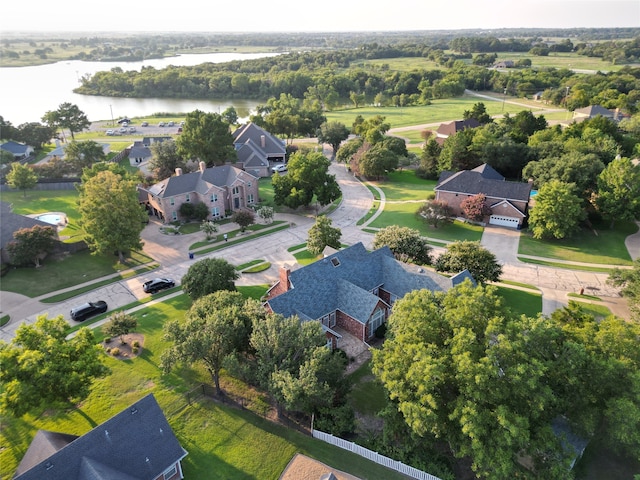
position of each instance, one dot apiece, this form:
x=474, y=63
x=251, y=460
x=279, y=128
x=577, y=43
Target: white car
x=109, y=132
x=279, y=168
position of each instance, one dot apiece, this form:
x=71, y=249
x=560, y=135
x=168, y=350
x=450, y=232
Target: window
x=174, y=215
x=215, y=212
x=235, y=190
x=249, y=184
x=329, y=320
x=214, y=197
x=188, y=198
x=377, y=319
x=170, y=472
x=335, y=261
x=250, y=198
x=172, y=201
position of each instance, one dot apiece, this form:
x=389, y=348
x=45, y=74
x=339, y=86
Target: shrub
x=107, y=340
x=134, y=350
x=135, y=344
x=115, y=351
x=381, y=331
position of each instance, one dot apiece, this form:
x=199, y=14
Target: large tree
x=165, y=159
x=208, y=276
x=466, y=255
x=21, y=177
x=406, y=244
x=435, y=213
x=69, y=116
x=83, y=155
x=618, y=196
x=41, y=367
x=206, y=137
x=557, y=212
x=629, y=280
x=35, y=133
x=30, y=245
x=111, y=215
x=290, y=117
x=216, y=327
x=475, y=207
x=378, y=161
x=333, y=133
x=322, y=234
x=307, y=176
x=120, y=324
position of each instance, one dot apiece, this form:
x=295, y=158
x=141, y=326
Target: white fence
x=373, y=456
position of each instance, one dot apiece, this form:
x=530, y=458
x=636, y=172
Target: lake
x=26, y=93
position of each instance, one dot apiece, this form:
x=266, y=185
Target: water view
x=26, y=93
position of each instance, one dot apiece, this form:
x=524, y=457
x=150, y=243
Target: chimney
x=284, y=279
x=178, y=171
x=203, y=166
x=263, y=141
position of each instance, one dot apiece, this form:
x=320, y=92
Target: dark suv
x=86, y=310
x=157, y=284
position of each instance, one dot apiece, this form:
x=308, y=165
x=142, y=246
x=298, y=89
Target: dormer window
x=335, y=262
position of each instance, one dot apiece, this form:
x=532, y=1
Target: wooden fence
x=373, y=456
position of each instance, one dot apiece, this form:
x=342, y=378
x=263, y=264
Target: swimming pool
x=52, y=218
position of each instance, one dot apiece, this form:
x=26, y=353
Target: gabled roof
x=250, y=131
x=344, y=281
x=201, y=182
x=139, y=150
x=250, y=155
x=12, y=222
x=135, y=444
x=15, y=148
x=451, y=128
x=594, y=110
x=149, y=140
x=483, y=179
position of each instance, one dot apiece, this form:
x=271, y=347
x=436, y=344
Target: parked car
x=161, y=124
x=124, y=120
x=157, y=284
x=89, y=309
x=279, y=168
x=132, y=129
x=170, y=124
x=144, y=124
x=109, y=132
x=179, y=129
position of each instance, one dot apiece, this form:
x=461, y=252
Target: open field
x=404, y=185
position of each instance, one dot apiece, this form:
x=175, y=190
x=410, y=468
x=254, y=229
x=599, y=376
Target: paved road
x=172, y=253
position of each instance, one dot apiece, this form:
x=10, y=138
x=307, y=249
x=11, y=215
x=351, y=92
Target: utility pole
x=112, y=122
x=504, y=97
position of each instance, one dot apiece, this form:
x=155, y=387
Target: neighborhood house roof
x=139, y=150
x=451, y=128
x=345, y=280
x=483, y=179
x=15, y=148
x=135, y=444
x=200, y=181
x=269, y=144
x=12, y=222
x=593, y=110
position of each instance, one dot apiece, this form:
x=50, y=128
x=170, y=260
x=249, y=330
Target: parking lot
x=151, y=129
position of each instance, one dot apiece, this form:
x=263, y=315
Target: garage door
x=503, y=221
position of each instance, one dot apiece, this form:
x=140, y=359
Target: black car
x=157, y=284
x=89, y=309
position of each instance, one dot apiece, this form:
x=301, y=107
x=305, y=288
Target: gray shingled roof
x=135, y=444
x=12, y=222
x=196, y=181
x=483, y=179
x=322, y=287
x=273, y=145
x=14, y=147
x=593, y=110
x=250, y=155
x=139, y=150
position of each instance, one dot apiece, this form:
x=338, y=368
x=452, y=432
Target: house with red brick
x=257, y=149
x=223, y=189
x=351, y=290
x=508, y=201
x=445, y=130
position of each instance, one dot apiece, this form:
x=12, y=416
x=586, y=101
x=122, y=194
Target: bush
x=114, y=351
x=107, y=340
x=381, y=331
x=135, y=344
x=134, y=350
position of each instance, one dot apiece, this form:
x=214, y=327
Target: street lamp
x=504, y=97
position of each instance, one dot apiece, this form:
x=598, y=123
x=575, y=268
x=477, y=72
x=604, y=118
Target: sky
x=314, y=16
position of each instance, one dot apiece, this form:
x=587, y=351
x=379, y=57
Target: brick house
x=137, y=443
x=222, y=189
x=508, y=201
x=445, y=130
x=351, y=290
x=257, y=149
x=11, y=223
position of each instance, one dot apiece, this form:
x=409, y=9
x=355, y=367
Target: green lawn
x=368, y=395
x=607, y=247
x=598, y=311
x=521, y=302
x=404, y=185
x=217, y=437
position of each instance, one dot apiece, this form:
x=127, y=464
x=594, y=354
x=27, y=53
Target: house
x=222, y=189
x=137, y=443
x=18, y=150
x=58, y=152
x=592, y=111
x=140, y=151
x=11, y=223
x=538, y=96
x=351, y=290
x=257, y=149
x=505, y=64
x=508, y=201
x=445, y=130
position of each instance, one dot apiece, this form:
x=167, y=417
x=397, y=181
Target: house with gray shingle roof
x=257, y=149
x=11, y=223
x=351, y=290
x=592, y=111
x=135, y=444
x=222, y=189
x=445, y=130
x=18, y=150
x=508, y=201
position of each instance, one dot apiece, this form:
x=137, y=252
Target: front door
x=236, y=203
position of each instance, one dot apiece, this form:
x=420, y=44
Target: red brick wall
x=454, y=201
x=350, y=324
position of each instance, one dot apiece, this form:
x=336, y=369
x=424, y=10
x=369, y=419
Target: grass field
x=521, y=302
x=404, y=185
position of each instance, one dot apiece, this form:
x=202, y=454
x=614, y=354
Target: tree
x=629, y=280
x=322, y=234
x=187, y=210
x=378, y=162
x=618, y=196
x=290, y=117
x=21, y=177
x=67, y=116
x=216, y=327
x=406, y=244
x=208, y=276
x=165, y=159
x=333, y=133
x=266, y=213
x=243, y=218
x=435, y=212
x=557, y=212
x=209, y=228
x=465, y=255
x=230, y=115
x=120, y=324
x=111, y=215
x=41, y=367
x=83, y=154
x=206, y=137
x=479, y=113
x=307, y=176
x=372, y=130
x=475, y=207
x=34, y=133
x=429, y=160
x=30, y=245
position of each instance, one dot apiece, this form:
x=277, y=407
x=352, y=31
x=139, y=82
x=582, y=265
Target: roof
x=483, y=179
x=594, y=110
x=456, y=126
x=135, y=444
x=149, y=140
x=139, y=150
x=345, y=280
x=273, y=146
x=201, y=182
x=251, y=155
x=12, y=222
x=15, y=148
